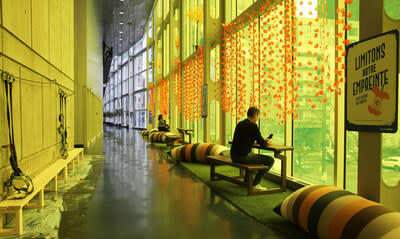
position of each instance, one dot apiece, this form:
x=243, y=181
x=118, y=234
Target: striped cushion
x=147, y=132
x=157, y=137
x=329, y=212
x=197, y=152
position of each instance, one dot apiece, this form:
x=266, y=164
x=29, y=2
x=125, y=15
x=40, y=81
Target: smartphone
x=270, y=136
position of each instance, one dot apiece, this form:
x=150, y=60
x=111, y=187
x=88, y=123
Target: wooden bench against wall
x=40, y=182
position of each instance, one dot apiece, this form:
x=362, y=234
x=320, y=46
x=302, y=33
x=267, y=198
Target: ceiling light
x=121, y=23
x=120, y=39
x=121, y=13
x=121, y=32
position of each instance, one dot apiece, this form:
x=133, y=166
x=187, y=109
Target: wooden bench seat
x=250, y=168
x=170, y=138
x=40, y=181
x=184, y=132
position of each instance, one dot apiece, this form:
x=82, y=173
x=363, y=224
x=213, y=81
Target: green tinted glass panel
x=392, y=8
x=313, y=130
x=352, y=137
x=200, y=26
x=159, y=9
x=214, y=8
x=391, y=157
x=230, y=10
x=214, y=120
x=166, y=8
x=242, y=5
x=200, y=131
x=185, y=26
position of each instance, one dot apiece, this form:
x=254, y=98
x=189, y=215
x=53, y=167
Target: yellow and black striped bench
x=329, y=212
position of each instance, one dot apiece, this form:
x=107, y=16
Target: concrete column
x=370, y=144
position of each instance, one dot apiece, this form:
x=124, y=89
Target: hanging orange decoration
x=163, y=96
x=152, y=101
x=178, y=86
x=196, y=14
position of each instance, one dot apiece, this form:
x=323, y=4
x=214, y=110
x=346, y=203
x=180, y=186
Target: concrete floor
x=138, y=194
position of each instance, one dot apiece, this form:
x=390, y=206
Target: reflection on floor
x=76, y=190
x=138, y=194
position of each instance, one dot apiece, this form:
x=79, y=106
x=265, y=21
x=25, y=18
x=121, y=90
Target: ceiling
x=134, y=19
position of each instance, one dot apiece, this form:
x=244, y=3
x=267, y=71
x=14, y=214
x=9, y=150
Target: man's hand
x=269, y=140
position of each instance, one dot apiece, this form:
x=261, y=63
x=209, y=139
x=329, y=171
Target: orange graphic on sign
x=375, y=108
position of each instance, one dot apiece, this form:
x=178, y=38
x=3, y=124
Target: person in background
x=246, y=133
x=162, y=124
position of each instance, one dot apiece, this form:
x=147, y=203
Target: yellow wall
x=36, y=44
x=88, y=72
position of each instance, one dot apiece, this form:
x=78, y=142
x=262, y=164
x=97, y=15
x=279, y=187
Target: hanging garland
x=193, y=80
x=282, y=58
x=152, y=100
x=178, y=86
x=163, y=96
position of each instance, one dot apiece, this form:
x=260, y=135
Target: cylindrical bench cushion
x=147, y=132
x=332, y=213
x=157, y=137
x=197, y=152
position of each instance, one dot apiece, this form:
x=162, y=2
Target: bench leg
x=2, y=220
x=283, y=173
x=241, y=172
x=18, y=223
x=40, y=204
x=41, y=198
x=54, y=188
x=64, y=174
x=250, y=185
x=72, y=165
x=212, y=172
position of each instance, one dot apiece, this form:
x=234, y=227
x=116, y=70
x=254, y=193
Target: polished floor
x=139, y=194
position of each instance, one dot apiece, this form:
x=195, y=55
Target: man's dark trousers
x=253, y=158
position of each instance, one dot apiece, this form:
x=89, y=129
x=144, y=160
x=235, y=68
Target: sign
x=204, y=102
x=372, y=84
x=150, y=117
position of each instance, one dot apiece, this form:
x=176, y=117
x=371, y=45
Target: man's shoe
x=259, y=188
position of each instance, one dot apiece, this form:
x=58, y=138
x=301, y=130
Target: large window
x=192, y=26
x=313, y=136
x=278, y=79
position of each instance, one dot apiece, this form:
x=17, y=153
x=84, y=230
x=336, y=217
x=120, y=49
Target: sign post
x=372, y=84
x=204, y=101
x=371, y=95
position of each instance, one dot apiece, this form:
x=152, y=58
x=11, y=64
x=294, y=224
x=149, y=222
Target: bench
x=277, y=149
x=40, y=182
x=170, y=138
x=184, y=132
x=250, y=168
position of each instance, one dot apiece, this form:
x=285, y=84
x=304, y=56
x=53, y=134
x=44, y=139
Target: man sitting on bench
x=162, y=124
x=246, y=133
